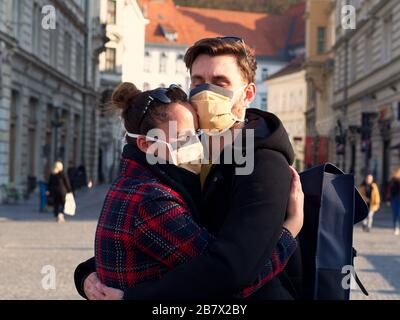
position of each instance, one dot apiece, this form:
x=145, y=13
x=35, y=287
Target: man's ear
x=250, y=93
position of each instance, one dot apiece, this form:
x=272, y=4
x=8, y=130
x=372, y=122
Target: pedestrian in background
x=370, y=193
x=57, y=188
x=395, y=200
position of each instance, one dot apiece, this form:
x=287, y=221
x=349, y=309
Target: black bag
x=332, y=205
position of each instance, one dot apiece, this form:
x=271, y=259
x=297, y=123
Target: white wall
x=175, y=71
x=287, y=98
x=262, y=90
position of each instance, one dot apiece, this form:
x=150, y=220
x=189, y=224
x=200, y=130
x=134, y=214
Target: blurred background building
x=276, y=39
x=48, y=84
x=336, y=89
x=319, y=62
x=122, y=60
x=287, y=98
x=366, y=88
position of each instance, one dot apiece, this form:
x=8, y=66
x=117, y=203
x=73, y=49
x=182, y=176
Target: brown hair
x=132, y=101
x=218, y=46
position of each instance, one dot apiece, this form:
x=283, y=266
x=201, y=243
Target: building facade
x=122, y=60
x=287, y=99
x=48, y=81
x=172, y=29
x=319, y=62
x=366, y=84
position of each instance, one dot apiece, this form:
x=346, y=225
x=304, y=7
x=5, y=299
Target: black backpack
x=320, y=267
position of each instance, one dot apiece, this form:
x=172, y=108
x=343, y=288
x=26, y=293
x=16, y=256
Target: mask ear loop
x=135, y=135
x=235, y=117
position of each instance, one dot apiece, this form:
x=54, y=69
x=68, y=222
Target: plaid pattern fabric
x=145, y=229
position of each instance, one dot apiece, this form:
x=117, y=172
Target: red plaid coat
x=145, y=229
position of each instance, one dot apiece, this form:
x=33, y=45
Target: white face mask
x=187, y=154
x=214, y=107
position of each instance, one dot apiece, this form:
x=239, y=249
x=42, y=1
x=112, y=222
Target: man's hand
x=295, y=211
x=95, y=290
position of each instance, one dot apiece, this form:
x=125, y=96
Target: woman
x=148, y=222
x=370, y=193
x=57, y=188
x=395, y=200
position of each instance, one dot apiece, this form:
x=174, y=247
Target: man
x=370, y=193
x=246, y=212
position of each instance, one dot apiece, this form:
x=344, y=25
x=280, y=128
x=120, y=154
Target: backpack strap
x=358, y=281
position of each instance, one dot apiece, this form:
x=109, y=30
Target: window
x=79, y=63
x=264, y=73
x=111, y=59
x=16, y=18
x=263, y=105
x=353, y=63
x=368, y=52
x=36, y=29
x=32, y=128
x=163, y=63
x=53, y=43
x=146, y=86
x=321, y=40
x=147, y=62
x=111, y=11
x=67, y=53
x=387, y=38
x=180, y=64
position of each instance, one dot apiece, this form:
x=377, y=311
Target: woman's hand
x=91, y=287
x=95, y=290
x=295, y=211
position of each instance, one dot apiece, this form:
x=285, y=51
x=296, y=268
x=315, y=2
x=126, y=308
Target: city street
x=30, y=240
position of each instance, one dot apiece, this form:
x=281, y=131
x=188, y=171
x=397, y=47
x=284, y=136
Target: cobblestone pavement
x=378, y=261
x=30, y=240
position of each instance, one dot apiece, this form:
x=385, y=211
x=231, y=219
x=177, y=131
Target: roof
x=267, y=34
x=294, y=66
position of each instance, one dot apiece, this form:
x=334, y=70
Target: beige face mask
x=214, y=107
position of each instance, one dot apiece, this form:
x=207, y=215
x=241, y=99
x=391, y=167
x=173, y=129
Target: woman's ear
x=142, y=144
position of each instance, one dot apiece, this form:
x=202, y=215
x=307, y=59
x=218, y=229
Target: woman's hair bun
x=124, y=95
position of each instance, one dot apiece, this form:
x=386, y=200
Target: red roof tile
x=267, y=34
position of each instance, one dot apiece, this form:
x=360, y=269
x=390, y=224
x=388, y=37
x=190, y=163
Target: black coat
x=245, y=212
x=58, y=186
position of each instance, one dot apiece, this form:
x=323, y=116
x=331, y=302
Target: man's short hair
x=225, y=46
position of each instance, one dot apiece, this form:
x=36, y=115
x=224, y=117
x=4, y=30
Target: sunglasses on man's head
x=160, y=94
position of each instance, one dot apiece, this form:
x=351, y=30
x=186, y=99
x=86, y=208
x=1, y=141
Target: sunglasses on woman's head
x=160, y=94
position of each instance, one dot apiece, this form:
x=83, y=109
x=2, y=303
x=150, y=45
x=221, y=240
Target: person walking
x=370, y=193
x=395, y=200
x=57, y=188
